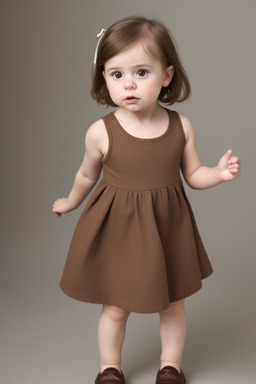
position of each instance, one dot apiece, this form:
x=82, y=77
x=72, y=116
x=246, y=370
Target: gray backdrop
x=46, y=53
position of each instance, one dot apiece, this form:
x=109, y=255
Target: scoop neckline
x=157, y=138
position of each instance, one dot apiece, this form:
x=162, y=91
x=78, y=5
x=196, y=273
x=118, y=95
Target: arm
x=195, y=173
x=89, y=171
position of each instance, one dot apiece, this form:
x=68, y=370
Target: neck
x=148, y=114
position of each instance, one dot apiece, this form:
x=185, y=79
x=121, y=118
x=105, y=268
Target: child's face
x=134, y=78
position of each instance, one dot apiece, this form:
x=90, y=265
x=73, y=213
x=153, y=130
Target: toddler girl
x=136, y=247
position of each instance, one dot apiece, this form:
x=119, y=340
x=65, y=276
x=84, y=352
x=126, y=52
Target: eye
x=142, y=73
x=117, y=75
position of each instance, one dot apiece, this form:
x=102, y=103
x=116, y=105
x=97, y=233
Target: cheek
x=152, y=90
x=112, y=88
x=108, y=85
x=113, y=91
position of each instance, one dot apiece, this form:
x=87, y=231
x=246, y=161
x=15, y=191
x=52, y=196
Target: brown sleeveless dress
x=136, y=245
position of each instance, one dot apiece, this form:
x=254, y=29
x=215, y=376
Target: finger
x=234, y=165
x=55, y=211
x=235, y=174
x=234, y=159
x=234, y=170
x=228, y=154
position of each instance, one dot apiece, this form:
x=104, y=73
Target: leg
x=111, y=332
x=173, y=334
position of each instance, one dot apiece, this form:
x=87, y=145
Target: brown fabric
x=136, y=245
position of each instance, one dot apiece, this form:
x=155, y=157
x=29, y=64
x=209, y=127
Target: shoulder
x=96, y=133
x=187, y=127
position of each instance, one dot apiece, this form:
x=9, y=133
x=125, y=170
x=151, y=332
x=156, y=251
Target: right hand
x=61, y=206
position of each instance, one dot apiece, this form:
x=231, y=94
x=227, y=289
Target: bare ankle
x=105, y=366
x=165, y=363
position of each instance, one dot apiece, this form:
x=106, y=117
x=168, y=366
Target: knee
x=116, y=314
x=174, y=308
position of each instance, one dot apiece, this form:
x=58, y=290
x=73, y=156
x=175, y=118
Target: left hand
x=61, y=206
x=229, y=166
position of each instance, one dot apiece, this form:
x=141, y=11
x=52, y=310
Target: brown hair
x=157, y=40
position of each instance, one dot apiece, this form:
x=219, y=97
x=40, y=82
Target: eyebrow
x=133, y=66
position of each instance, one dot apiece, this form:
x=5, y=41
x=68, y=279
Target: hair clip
x=100, y=35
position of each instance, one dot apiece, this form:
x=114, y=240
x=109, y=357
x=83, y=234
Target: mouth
x=131, y=99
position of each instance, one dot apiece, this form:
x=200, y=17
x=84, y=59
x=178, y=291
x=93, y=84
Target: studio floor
x=53, y=340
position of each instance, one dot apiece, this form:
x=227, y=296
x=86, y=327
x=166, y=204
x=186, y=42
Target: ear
x=169, y=72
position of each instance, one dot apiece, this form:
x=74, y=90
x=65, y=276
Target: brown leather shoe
x=170, y=375
x=110, y=376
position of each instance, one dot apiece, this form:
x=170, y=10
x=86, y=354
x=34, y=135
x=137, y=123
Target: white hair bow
x=100, y=35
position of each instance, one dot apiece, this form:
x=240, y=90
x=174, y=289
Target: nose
x=130, y=84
